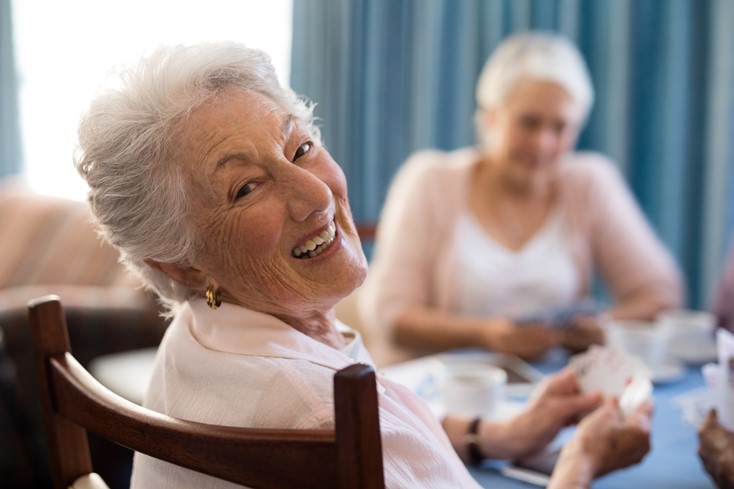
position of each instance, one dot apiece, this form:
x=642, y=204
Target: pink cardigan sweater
x=723, y=300
x=413, y=261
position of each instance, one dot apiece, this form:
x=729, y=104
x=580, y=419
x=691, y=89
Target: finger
x=641, y=415
x=581, y=405
x=640, y=418
x=646, y=408
x=709, y=422
x=562, y=382
x=713, y=415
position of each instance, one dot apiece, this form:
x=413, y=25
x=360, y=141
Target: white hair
x=538, y=56
x=127, y=140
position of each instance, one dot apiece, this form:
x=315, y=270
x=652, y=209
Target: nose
x=307, y=195
x=546, y=140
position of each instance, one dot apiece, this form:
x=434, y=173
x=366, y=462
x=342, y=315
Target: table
x=671, y=464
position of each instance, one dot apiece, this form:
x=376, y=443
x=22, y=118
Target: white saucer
x=695, y=354
x=667, y=372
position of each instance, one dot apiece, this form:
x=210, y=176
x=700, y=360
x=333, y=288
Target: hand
x=528, y=342
x=554, y=405
x=584, y=332
x=609, y=441
x=716, y=450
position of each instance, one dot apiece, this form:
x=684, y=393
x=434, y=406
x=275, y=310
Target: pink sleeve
x=401, y=266
x=723, y=298
x=631, y=258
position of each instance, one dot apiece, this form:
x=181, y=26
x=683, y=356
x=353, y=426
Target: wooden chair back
x=73, y=402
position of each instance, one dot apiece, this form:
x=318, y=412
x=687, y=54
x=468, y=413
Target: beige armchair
x=49, y=245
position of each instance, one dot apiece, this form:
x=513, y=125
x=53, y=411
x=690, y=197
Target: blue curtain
x=10, y=146
x=394, y=76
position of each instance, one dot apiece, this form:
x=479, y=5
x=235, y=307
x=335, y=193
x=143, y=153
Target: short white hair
x=127, y=140
x=542, y=56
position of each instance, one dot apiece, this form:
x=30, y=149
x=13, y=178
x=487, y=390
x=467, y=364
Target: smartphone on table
x=534, y=470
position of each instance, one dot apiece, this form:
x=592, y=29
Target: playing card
x=725, y=348
x=586, y=365
x=560, y=317
x=636, y=392
x=720, y=379
x=611, y=372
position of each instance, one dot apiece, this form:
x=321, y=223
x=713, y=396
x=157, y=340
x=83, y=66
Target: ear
x=189, y=277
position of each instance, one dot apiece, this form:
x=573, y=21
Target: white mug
x=643, y=339
x=688, y=330
x=472, y=389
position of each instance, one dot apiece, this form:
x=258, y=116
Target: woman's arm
x=639, y=271
x=604, y=440
x=434, y=329
x=555, y=405
x=722, y=304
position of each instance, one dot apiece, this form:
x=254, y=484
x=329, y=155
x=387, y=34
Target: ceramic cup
x=472, y=389
x=643, y=339
x=688, y=330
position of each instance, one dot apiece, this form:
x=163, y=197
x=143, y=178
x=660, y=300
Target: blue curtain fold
x=394, y=76
x=10, y=141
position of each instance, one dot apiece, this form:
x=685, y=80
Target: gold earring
x=213, y=298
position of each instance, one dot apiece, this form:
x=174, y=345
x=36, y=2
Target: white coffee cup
x=472, y=389
x=688, y=330
x=643, y=339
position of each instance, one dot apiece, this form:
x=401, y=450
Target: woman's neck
x=499, y=181
x=319, y=326
x=511, y=210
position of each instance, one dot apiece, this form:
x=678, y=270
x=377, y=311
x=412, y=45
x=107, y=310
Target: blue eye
x=245, y=189
x=302, y=150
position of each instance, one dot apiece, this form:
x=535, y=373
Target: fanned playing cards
x=720, y=379
x=612, y=372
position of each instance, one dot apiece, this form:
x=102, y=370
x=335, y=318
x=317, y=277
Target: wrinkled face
x=270, y=208
x=538, y=123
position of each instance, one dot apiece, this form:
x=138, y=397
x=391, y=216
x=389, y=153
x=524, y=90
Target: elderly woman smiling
x=211, y=180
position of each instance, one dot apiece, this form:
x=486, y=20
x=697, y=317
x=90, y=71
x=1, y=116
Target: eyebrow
x=286, y=127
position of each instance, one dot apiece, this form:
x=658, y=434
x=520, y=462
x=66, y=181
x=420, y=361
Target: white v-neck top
x=493, y=280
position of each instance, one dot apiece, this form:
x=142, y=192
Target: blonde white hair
x=126, y=146
x=543, y=56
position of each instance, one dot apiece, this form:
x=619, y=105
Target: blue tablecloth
x=671, y=464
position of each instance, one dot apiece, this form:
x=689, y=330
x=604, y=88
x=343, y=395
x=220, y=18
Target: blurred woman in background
x=494, y=246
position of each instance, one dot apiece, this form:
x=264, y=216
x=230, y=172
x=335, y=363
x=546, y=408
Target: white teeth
x=314, y=246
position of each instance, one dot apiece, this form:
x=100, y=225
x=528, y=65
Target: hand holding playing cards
x=584, y=332
x=612, y=440
x=556, y=404
x=604, y=441
x=716, y=450
x=528, y=342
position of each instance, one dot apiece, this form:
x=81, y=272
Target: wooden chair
x=74, y=402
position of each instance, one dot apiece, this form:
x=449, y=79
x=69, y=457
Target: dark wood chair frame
x=73, y=402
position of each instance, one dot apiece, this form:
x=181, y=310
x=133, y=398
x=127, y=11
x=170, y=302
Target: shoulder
x=243, y=390
x=589, y=165
x=587, y=171
x=437, y=165
x=193, y=381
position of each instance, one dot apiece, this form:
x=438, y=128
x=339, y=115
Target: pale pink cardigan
x=723, y=299
x=413, y=261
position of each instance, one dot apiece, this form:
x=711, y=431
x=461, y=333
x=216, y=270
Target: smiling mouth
x=316, y=245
